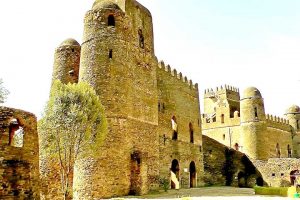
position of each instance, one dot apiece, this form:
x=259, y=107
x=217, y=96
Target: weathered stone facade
x=242, y=124
x=145, y=104
x=19, y=155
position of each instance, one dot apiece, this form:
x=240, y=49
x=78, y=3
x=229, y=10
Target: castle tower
x=293, y=115
x=117, y=60
x=252, y=122
x=66, y=62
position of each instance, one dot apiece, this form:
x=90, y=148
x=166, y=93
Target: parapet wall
x=173, y=73
x=208, y=93
x=278, y=123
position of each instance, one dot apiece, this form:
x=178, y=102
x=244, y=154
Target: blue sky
x=213, y=42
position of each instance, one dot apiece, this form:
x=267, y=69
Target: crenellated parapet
x=277, y=122
x=173, y=73
x=229, y=91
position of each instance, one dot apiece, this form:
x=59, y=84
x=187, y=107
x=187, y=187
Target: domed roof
x=293, y=109
x=251, y=92
x=105, y=4
x=69, y=42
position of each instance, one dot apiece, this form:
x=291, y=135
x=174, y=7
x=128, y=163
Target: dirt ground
x=206, y=193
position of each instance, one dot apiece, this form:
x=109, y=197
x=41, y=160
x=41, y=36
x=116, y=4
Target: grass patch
x=278, y=191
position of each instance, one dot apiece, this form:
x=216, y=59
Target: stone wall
x=224, y=166
x=178, y=100
x=19, y=155
x=276, y=171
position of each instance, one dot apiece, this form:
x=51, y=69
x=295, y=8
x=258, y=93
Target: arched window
x=222, y=118
x=16, y=133
x=141, y=38
x=111, y=20
x=277, y=150
x=191, y=133
x=174, y=128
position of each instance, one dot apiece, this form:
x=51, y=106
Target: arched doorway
x=241, y=179
x=193, y=178
x=259, y=181
x=135, y=171
x=175, y=171
x=293, y=176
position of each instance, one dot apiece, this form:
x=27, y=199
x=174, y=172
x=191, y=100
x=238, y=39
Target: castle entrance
x=135, y=172
x=175, y=174
x=192, y=175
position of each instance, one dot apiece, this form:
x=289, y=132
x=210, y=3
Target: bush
x=165, y=183
x=279, y=191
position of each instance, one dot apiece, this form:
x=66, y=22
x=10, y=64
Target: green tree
x=3, y=92
x=73, y=124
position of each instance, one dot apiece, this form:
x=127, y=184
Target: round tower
x=293, y=115
x=66, y=62
x=252, y=122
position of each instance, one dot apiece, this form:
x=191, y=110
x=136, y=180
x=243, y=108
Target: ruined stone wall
x=178, y=98
x=19, y=161
x=224, y=166
x=276, y=171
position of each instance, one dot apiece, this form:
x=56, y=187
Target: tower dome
x=251, y=92
x=98, y=4
x=69, y=42
x=294, y=109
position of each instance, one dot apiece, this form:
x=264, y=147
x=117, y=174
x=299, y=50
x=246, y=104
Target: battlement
x=209, y=93
x=276, y=119
x=277, y=122
x=173, y=73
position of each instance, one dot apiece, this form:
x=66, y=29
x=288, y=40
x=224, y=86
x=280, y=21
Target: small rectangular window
x=110, y=54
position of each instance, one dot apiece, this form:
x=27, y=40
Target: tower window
x=72, y=50
x=110, y=54
x=297, y=124
x=222, y=118
x=191, y=133
x=141, y=38
x=158, y=106
x=255, y=112
x=111, y=20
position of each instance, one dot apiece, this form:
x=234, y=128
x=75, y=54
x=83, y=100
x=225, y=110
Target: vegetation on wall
x=73, y=125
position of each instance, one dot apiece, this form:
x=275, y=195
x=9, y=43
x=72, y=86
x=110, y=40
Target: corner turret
x=293, y=115
x=66, y=61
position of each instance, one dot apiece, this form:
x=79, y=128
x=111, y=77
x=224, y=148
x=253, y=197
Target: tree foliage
x=73, y=125
x=3, y=92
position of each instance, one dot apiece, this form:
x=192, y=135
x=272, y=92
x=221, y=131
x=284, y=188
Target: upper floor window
x=111, y=20
x=141, y=38
x=255, y=112
x=222, y=118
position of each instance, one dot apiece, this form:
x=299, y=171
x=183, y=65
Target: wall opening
x=111, y=20
x=222, y=118
x=141, y=38
x=236, y=146
x=191, y=133
x=110, y=54
x=175, y=171
x=224, y=136
x=158, y=107
x=289, y=151
x=259, y=181
x=297, y=124
x=255, y=112
x=135, y=172
x=174, y=128
x=293, y=176
x=214, y=119
x=200, y=148
x=16, y=133
x=277, y=150
x=193, y=178
x=241, y=179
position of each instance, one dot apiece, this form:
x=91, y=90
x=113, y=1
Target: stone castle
x=154, y=121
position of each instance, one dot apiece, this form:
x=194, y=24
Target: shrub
x=279, y=191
